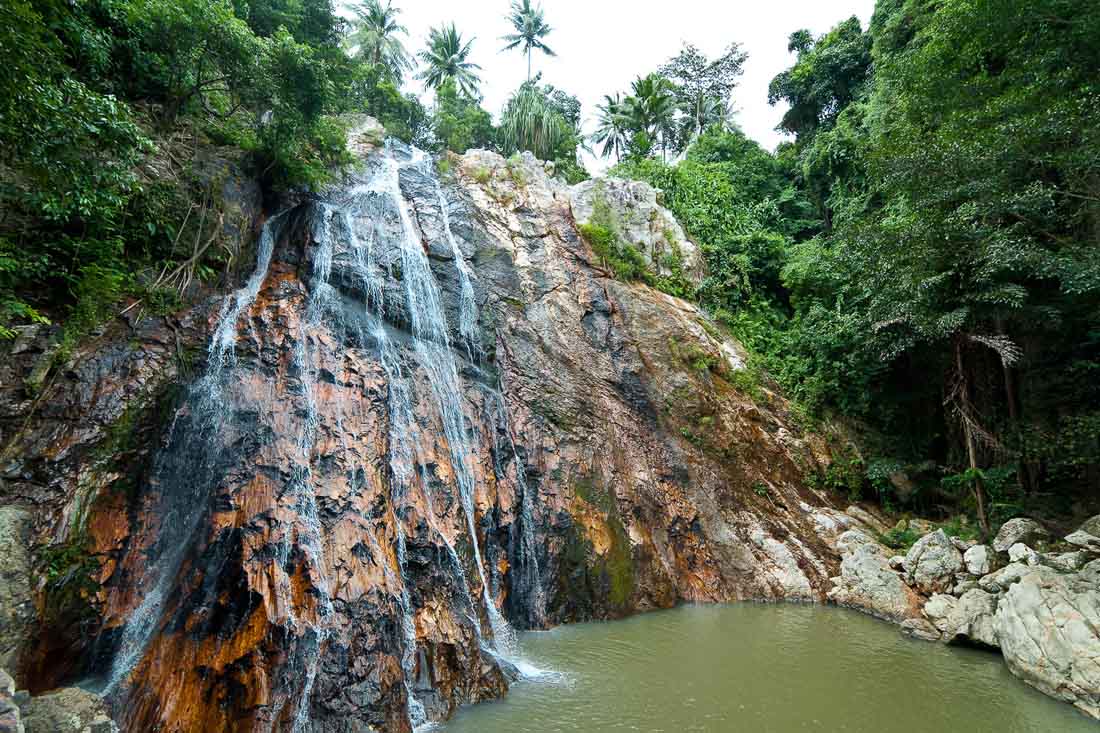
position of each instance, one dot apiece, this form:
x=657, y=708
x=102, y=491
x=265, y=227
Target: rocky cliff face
x=429, y=416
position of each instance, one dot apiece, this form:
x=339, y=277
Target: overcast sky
x=602, y=45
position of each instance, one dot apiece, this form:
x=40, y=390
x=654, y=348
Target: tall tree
x=652, y=108
x=447, y=57
x=531, y=28
x=531, y=122
x=613, y=126
x=831, y=72
x=376, y=31
x=704, y=87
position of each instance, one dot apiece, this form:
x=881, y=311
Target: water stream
x=187, y=469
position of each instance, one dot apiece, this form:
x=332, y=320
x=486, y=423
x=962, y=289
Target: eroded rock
x=969, y=618
x=1019, y=530
x=18, y=617
x=641, y=221
x=69, y=710
x=868, y=583
x=10, y=718
x=978, y=560
x=932, y=563
x=1048, y=625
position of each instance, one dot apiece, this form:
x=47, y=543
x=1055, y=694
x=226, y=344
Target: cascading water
x=357, y=226
x=467, y=312
x=187, y=469
x=321, y=303
x=433, y=348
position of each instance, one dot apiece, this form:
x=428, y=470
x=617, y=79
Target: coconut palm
x=531, y=28
x=375, y=33
x=700, y=114
x=613, y=131
x=652, y=108
x=446, y=57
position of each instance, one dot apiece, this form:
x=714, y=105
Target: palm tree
x=376, y=31
x=614, y=126
x=652, y=108
x=531, y=28
x=446, y=58
x=700, y=114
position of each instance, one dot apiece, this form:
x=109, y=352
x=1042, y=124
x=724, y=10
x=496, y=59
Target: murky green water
x=762, y=669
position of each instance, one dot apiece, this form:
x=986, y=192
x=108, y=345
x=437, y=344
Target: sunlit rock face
x=427, y=417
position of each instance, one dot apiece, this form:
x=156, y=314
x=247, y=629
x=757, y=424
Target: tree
x=458, y=122
x=531, y=122
x=830, y=74
x=613, y=126
x=447, y=57
x=651, y=108
x=376, y=35
x=531, y=28
x=704, y=88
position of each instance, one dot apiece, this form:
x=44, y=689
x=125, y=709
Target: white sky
x=602, y=45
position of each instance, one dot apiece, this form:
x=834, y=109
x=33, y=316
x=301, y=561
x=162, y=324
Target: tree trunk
x=977, y=487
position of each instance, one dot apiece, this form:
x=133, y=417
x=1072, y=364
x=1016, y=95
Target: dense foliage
x=109, y=108
x=924, y=257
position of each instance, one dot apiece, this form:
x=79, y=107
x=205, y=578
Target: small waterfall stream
x=432, y=345
x=187, y=469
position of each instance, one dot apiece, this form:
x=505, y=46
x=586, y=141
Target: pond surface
x=761, y=669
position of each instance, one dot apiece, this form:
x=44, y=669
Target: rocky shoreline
x=1039, y=607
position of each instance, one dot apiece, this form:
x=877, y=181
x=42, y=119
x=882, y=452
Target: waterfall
x=527, y=583
x=186, y=469
x=467, y=312
x=348, y=236
x=321, y=302
x=432, y=345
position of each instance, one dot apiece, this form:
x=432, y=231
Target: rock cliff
x=427, y=417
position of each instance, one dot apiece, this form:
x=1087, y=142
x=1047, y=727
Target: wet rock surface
x=1048, y=627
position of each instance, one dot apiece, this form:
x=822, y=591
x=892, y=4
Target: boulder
x=68, y=710
x=867, y=583
x=1021, y=529
x=640, y=219
x=978, y=560
x=969, y=618
x=918, y=628
x=1067, y=562
x=866, y=518
x=1085, y=540
x=1091, y=526
x=1048, y=625
x=932, y=563
x=1020, y=552
x=849, y=541
x=1000, y=581
x=10, y=721
x=17, y=610
x=962, y=585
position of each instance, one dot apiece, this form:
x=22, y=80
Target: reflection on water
x=761, y=669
